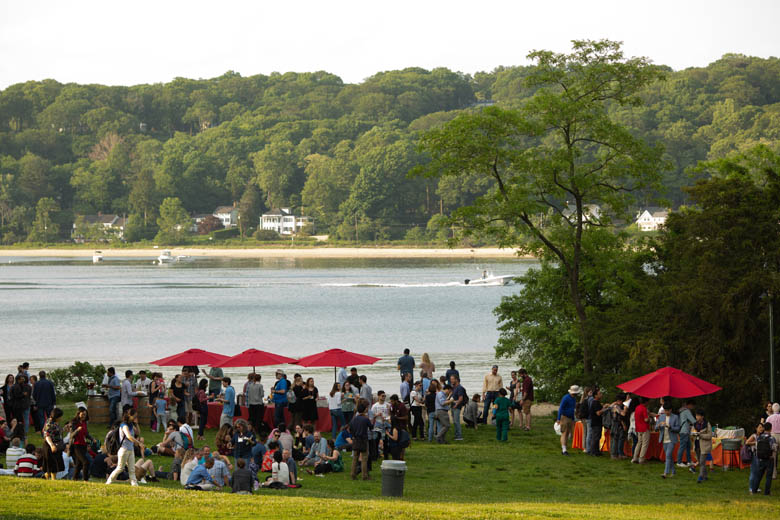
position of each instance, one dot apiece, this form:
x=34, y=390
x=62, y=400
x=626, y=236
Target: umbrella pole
x=253, y=370
x=334, y=375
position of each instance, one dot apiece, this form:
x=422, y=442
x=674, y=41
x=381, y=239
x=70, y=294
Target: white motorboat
x=97, y=257
x=166, y=258
x=491, y=279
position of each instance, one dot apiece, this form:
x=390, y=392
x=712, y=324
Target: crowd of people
x=366, y=424
x=682, y=427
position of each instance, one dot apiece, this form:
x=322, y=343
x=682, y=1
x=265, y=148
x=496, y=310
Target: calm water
x=128, y=312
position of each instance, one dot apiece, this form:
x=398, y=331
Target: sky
x=116, y=42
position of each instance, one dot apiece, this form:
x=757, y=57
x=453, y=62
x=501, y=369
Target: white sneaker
x=142, y=481
x=108, y=481
x=134, y=483
x=681, y=465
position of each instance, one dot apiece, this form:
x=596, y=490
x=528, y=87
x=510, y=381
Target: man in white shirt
x=381, y=412
x=143, y=383
x=342, y=376
x=126, y=391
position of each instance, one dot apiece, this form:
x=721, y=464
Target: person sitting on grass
x=219, y=471
x=471, y=412
x=316, y=451
x=397, y=440
x=344, y=439
x=243, y=480
x=224, y=440
x=332, y=463
x=268, y=458
x=200, y=478
x=13, y=453
x=291, y=465
x=188, y=464
x=26, y=466
x=280, y=473
x=172, y=440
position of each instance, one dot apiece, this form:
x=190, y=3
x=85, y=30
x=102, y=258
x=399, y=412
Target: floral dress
x=52, y=460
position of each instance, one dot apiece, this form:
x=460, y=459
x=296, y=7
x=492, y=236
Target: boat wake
x=395, y=285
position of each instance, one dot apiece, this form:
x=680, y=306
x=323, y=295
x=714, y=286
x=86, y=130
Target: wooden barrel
x=144, y=412
x=97, y=406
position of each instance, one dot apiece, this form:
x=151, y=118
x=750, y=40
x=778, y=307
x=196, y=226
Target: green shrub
x=71, y=382
x=222, y=234
x=266, y=234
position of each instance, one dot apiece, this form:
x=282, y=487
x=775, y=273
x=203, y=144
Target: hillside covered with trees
x=337, y=152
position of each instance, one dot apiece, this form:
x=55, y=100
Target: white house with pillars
x=283, y=221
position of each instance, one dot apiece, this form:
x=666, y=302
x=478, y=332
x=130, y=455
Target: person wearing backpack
x=748, y=454
x=669, y=426
x=126, y=453
x=766, y=451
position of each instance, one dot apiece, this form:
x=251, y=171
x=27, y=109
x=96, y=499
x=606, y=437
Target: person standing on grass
x=113, y=387
x=443, y=403
x=450, y=372
x=127, y=443
x=596, y=411
x=566, y=416
x=527, y=392
x=215, y=376
x=44, y=396
x=686, y=421
x=427, y=365
x=406, y=388
x=642, y=427
x=702, y=432
x=619, y=426
x=79, y=434
x=774, y=420
x=279, y=391
x=228, y=403
x=366, y=392
x=459, y=401
x=765, y=449
x=254, y=398
x=360, y=427
x=490, y=387
x=669, y=426
x=53, y=446
x=418, y=425
x=21, y=400
x=405, y=364
x=126, y=392
x=501, y=409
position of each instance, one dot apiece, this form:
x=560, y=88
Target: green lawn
x=478, y=478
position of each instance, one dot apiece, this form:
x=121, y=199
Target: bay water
x=128, y=312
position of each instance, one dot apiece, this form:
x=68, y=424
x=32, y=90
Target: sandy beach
x=315, y=252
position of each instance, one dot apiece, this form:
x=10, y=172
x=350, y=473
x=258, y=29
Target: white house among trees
x=651, y=219
x=284, y=222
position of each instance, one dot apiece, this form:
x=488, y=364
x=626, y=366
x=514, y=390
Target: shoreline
x=314, y=252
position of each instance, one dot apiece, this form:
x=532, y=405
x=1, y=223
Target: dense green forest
x=337, y=152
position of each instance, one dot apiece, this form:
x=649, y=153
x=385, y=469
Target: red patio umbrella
x=191, y=357
x=669, y=381
x=255, y=358
x=336, y=357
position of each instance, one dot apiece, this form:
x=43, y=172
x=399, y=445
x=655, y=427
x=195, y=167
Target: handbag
x=746, y=454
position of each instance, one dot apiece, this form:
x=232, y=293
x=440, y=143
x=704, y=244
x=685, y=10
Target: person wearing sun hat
x=566, y=416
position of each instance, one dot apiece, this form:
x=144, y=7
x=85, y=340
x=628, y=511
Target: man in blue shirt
x=443, y=403
x=406, y=388
x=228, y=403
x=44, y=396
x=459, y=400
x=566, y=416
x=452, y=372
x=114, y=393
x=200, y=476
x=279, y=391
x=405, y=364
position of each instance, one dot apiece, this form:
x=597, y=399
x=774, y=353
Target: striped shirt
x=26, y=466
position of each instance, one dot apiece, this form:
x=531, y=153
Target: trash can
x=393, y=473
